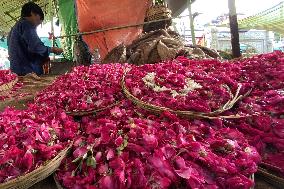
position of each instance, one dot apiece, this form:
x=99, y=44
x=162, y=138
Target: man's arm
x=35, y=45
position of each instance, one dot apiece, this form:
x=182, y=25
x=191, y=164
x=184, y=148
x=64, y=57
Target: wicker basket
x=155, y=13
x=187, y=114
x=270, y=178
x=158, y=12
x=90, y=112
x=26, y=181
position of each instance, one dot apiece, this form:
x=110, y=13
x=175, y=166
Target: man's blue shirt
x=26, y=50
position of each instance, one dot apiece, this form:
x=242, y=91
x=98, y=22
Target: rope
x=118, y=27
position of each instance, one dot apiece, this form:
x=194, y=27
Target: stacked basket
x=155, y=13
x=158, y=12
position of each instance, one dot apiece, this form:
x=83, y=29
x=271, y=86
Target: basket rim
x=159, y=109
x=269, y=176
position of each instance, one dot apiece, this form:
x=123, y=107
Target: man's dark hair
x=31, y=7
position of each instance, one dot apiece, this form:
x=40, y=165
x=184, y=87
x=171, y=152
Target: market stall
x=154, y=114
x=116, y=123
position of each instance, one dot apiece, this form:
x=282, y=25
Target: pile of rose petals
x=31, y=137
x=265, y=129
x=190, y=85
x=85, y=88
x=125, y=147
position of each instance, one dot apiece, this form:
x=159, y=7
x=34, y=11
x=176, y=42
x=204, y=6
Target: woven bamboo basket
x=92, y=111
x=187, y=114
x=157, y=12
x=26, y=181
x=6, y=87
x=270, y=178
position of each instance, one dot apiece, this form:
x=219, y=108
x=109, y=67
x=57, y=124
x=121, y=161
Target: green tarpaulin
x=68, y=21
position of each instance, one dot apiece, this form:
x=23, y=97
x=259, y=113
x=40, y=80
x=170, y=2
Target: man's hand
x=56, y=50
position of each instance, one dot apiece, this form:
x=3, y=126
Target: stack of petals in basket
x=197, y=86
x=126, y=147
x=85, y=88
x=30, y=138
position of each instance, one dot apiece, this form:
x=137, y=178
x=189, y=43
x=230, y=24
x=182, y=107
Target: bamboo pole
x=234, y=29
x=189, y=2
x=51, y=25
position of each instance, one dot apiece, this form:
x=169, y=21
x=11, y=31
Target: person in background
x=27, y=52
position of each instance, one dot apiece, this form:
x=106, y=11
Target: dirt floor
x=45, y=184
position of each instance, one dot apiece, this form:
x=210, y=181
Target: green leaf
x=91, y=162
x=83, y=143
x=73, y=173
x=34, y=151
x=120, y=132
x=80, y=166
x=77, y=159
x=122, y=146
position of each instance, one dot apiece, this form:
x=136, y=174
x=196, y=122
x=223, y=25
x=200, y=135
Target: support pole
x=189, y=2
x=51, y=25
x=235, y=41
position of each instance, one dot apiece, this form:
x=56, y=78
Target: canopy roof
x=10, y=11
x=271, y=19
x=177, y=7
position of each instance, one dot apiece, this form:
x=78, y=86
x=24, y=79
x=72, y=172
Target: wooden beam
x=13, y=18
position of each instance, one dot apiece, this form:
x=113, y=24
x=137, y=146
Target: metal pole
x=189, y=2
x=51, y=24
